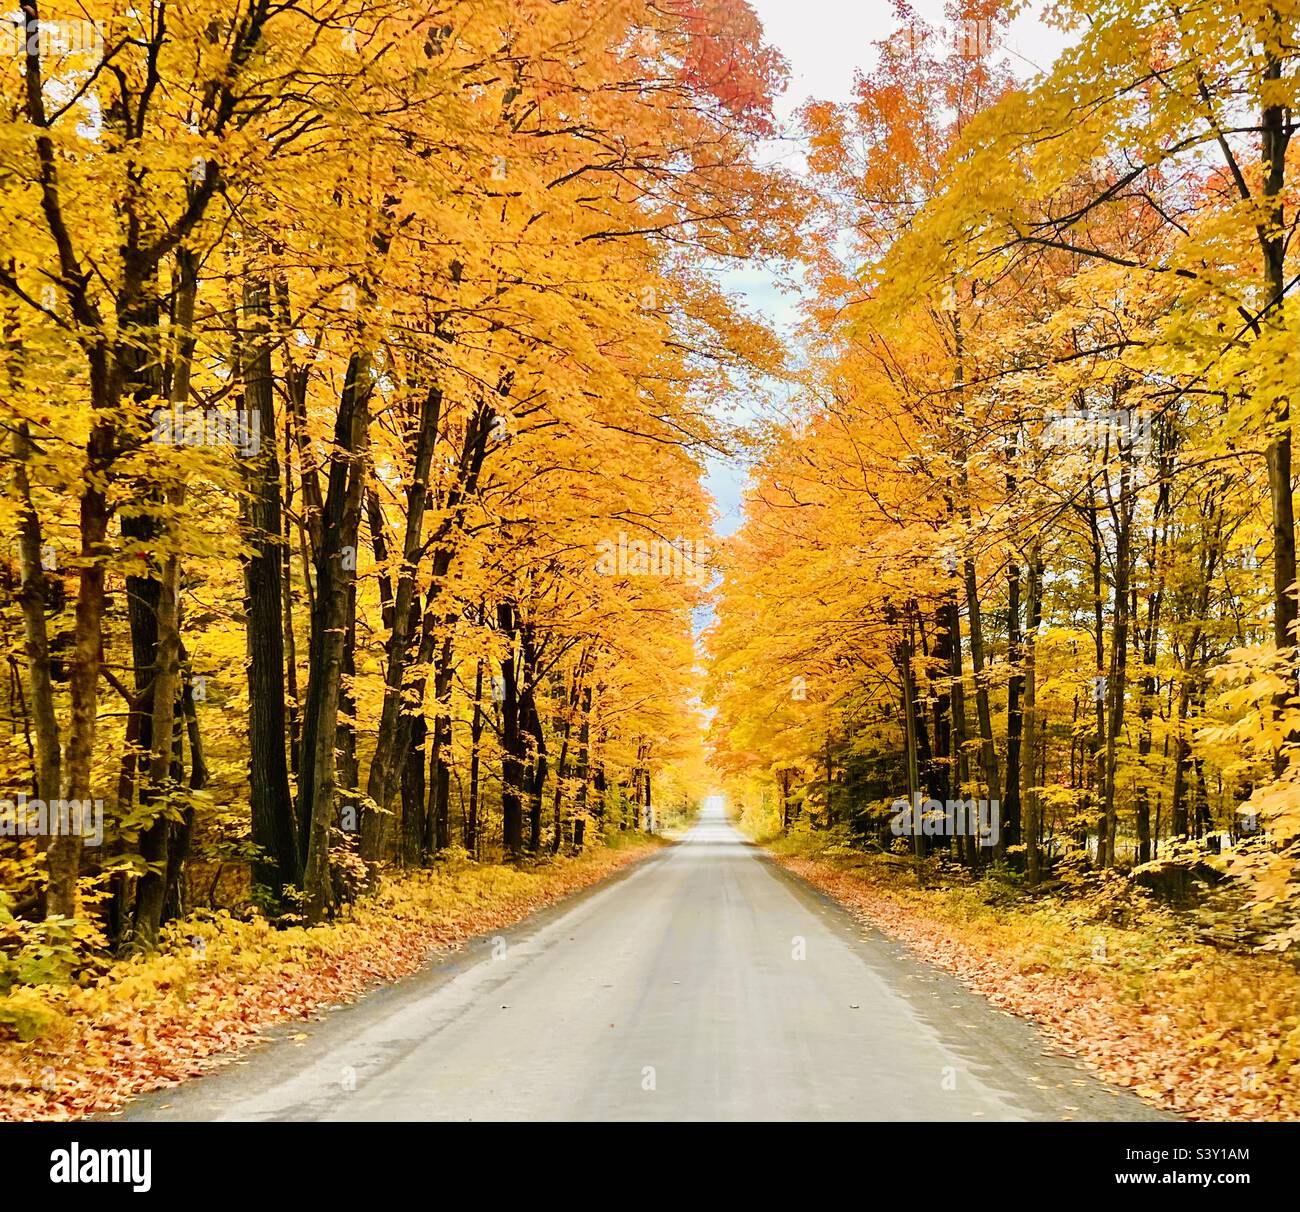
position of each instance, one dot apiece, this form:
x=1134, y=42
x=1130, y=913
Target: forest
x=365, y=364
x=1028, y=535
x=336, y=340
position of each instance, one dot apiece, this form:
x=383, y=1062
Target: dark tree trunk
x=583, y=770
x=1273, y=235
x=538, y=783
x=392, y=738
x=33, y=599
x=280, y=862
x=1033, y=825
x=415, y=812
x=187, y=718
x=1117, y=675
x=440, y=763
x=1010, y=833
x=513, y=744
x=348, y=777
x=475, y=736
x=942, y=713
x=335, y=572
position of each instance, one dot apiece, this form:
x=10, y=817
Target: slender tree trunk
x=33, y=600
x=983, y=714
x=335, y=572
x=830, y=783
x=267, y=620
x=583, y=770
x=1010, y=833
x=1190, y=676
x=156, y=840
x=1117, y=675
x=165, y=685
x=561, y=773
x=911, y=753
x=942, y=712
x=290, y=647
x=417, y=813
x=512, y=740
x=1275, y=137
x=440, y=763
x=1151, y=639
x=562, y=765
x=970, y=843
x=599, y=782
x=174, y=904
x=389, y=753
x=537, y=745
x=348, y=774
x=1033, y=824
x=475, y=735
x=1099, y=684
x=974, y=612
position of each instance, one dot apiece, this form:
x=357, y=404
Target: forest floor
x=219, y=982
x=1207, y=1033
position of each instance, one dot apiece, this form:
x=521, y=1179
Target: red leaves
x=727, y=59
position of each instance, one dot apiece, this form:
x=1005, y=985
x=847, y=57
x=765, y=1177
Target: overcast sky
x=825, y=42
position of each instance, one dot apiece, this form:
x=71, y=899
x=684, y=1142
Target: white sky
x=825, y=42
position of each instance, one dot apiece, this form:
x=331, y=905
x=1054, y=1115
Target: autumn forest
x=369, y=369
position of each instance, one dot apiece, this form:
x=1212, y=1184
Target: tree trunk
x=1010, y=832
x=512, y=739
x=32, y=598
x=440, y=762
x=583, y=770
x=155, y=609
x=1033, y=824
x=1274, y=138
x=266, y=616
x=475, y=735
x=335, y=572
x=389, y=753
x=1122, y=516
x=156, y=840
x=416, y=811
x=538, y=783
x=911, y=754
x=983, y=715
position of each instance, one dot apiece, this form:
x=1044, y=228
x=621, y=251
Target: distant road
x=706, y=984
